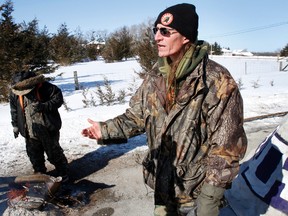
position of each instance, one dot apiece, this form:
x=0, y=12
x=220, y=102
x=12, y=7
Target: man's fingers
x=91, y=121
x=92, y=132
x=84, y=132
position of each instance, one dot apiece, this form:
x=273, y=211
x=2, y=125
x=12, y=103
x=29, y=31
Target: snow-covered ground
x=263, y=88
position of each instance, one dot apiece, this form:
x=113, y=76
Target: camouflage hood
x=27, y=85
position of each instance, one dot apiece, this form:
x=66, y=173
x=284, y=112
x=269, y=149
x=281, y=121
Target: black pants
x=50, y=145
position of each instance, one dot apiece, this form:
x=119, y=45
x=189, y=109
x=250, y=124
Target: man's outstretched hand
x=93, y=132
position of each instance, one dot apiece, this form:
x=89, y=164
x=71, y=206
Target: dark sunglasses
x=163, y=31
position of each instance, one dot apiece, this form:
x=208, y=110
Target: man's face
x=169, y=41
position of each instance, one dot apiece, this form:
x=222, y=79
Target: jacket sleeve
x=129, y=124
x=226, y=135
x=13, y=109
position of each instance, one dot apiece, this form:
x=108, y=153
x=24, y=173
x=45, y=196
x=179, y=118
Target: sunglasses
x=163, y=31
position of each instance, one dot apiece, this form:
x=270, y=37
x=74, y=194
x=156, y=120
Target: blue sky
x=237, y=24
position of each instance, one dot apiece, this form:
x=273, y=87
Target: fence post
x=76, y=81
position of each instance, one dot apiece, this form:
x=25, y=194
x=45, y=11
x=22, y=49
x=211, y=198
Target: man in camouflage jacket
x=195, y=144
x=200, y=141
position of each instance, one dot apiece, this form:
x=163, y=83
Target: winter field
x=263, y=88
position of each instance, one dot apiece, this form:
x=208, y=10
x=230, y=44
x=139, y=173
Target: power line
x=248, y=30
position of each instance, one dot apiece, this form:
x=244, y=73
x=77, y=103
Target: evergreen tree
x=22, y=47
x=284, y=51
x=34, y=47
x=65, y=49
x=215, y=49
x=118, y=46
x=146, y=50
x=9, y=42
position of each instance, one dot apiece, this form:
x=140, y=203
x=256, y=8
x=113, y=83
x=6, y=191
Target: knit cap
x=181, y=17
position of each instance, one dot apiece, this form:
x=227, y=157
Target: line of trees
x=26, y=47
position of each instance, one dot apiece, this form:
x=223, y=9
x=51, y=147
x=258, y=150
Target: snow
x=13, y=158
x=269, y=95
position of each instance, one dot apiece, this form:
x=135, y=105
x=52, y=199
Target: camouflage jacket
x=201, y=139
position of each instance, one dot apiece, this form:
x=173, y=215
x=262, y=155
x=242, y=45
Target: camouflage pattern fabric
x=201, y=139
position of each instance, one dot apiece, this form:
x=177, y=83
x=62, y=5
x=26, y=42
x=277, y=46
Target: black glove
x=209, y=200
x=16, y=132
x=38, y=106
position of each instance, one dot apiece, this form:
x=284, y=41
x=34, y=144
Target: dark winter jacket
x=200, y=140
x=49, y=95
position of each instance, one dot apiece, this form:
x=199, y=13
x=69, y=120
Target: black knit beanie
x=183, y=18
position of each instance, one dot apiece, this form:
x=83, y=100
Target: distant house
x=243, y=52
x=98, y=44
x=226, y=52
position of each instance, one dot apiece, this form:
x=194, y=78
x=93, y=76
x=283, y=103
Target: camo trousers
x=50, y=145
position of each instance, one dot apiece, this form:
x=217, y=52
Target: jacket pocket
x=191, y=177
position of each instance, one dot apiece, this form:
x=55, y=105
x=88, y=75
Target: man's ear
x=185, y=40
